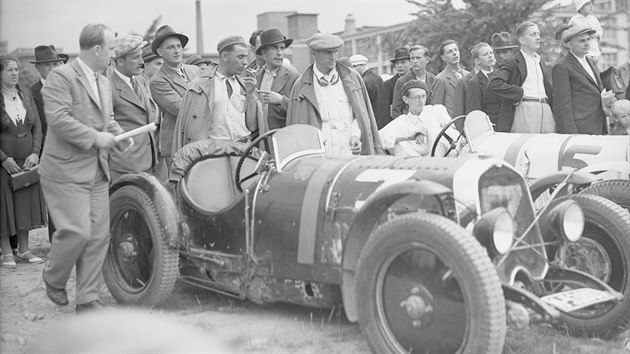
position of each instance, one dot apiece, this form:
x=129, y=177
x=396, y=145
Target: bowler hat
x=163, y=33
x=576, y=31
x=197, y=59
x=47, y=54
x=272, y=36
x=502, y=40
x=401, y=53
x=323, y=41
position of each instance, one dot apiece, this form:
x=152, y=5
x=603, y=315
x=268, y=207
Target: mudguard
x=575, y=177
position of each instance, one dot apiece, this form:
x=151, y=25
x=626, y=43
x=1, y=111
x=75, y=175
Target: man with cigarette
x=222, y=103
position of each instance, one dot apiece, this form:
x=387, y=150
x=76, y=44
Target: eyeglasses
x=416, y=97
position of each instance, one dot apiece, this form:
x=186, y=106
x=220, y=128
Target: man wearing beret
x=524, y=87
x=274, y=80
x=373, y=82
x=413, y=133
x=222, y=103
x=402, y=65
x=333, y=98
x=132, y=108
x=420, y=58
x=167, y=88
x=577, y=105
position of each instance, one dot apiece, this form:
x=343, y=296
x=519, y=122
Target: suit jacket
x=131, y=112
x=36, y=90
x=74, y=119
x=303, y=107
x=282, y=84
x=167, y=89
x=478, y=97
x=383, y=111
x=399, y=106
x=506, y=83
x=446, y=94
x=374, y=86
x=577, y=105
x=460, y=97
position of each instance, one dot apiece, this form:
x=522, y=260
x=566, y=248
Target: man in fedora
x=524, y=87
x=167, y=88
x=333, y=98
x=502, y=46
x=198, y=61
x=402, y=65
x=274, y=80
x=46, y=59
x=373, y=82
x=222, y=103
x=577, y=87
x=132, y=108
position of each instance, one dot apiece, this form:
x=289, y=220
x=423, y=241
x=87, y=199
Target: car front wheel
x=424, y=285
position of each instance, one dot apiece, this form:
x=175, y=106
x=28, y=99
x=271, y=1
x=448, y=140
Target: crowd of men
x=356, y=111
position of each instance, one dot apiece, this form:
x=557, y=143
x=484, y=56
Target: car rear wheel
x=140, y=267
x=617, y=191
x=603, y=252
x=427, y=286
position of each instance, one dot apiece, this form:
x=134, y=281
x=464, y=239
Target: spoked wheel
x=426, y=286
x=603, y=252
x=140, y=268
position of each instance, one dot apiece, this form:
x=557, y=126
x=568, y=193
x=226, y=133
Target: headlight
x=566, y=220
x=495, y=230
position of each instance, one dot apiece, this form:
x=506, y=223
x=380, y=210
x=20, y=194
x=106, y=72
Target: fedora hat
x=272, y=36
x=166, y=32
x=401, y=53
x=502, y=40
x=197, y=59
x=47, y=54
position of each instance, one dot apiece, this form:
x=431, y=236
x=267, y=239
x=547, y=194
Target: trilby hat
x=47, y=54
x=401, y=53
x=272, y=36
x=502, y=40
x=166, y=32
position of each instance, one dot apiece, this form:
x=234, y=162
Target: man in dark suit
x=74, y=173
x=373, y=82
x=477, y=95
x=132, y=108
x=167, y=88
x=524, y=87
x=402, y=64
x=46, y=59
x=274, y=80
x=577, y=87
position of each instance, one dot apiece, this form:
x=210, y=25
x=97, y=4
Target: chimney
x=351, y=25
x=200, y=50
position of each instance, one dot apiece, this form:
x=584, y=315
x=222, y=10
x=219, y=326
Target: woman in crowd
x=20, y=144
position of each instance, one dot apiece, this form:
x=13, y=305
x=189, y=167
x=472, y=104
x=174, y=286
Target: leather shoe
x=58, y=296
x=89, y=306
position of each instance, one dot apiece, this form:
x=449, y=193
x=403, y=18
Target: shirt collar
x=223, y=77
x=535, y=56
x=42, y=81
x=88, y=71
x=328, y=77
x=273, y=73
x=124, y=77
x=487, y=73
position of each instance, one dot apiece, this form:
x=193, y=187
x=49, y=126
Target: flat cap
x=358, y=59
x=322, y=41
x=127, y=43
x=228, y=41
x=576, y=31
x=414, y=84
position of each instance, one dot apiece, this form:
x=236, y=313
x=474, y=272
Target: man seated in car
x=414, y=133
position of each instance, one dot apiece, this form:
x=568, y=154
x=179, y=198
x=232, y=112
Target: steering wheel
x=442, y=134
x=237, y=178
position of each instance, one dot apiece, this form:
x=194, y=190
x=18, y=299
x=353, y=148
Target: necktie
x=136, y=88
x=97, y=92
x=181, y=74
x=229, y=87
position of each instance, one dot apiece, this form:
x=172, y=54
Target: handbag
x=24, y=179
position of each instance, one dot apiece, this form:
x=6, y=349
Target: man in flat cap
x=222, y=103
x=402, y=65
x=577, y=86
x=167, y=88
x=333, y=98
x=524, y=87
x=132, y=108
x=373, y=82
x=275, y=80
x=413, y=133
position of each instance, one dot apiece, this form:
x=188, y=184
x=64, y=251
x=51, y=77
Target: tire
x=604, y=252
x=618, y=191
x=453, y=274
x=140, y=267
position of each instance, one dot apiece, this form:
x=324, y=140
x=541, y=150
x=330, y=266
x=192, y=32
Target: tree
x=438, y=20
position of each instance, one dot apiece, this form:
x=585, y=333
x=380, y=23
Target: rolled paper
x=143, y=129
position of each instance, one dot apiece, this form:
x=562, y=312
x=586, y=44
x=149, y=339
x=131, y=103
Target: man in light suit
x=274, y=80
x=577, y=86
x=168, y=86
x=74, y=171
x=132, y=108
x=446, y=94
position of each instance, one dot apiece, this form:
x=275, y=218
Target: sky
x=28, y=23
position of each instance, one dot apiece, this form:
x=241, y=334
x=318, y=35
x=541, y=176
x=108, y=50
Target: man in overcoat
x=402, y=65
x=333, y=98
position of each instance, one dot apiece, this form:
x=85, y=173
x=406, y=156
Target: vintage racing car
x=423, y=253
